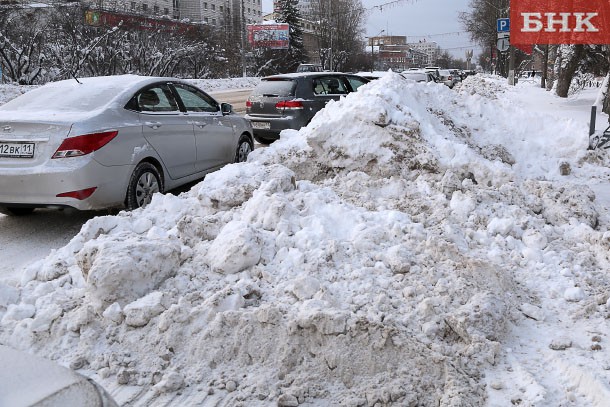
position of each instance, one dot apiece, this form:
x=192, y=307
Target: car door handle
x=201, y=125
x=153, y=125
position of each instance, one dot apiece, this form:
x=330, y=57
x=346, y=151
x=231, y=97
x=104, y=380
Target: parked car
x=290, y=101
x=448, y=78
x=310, y=68
x=418, y=76
x=435, y=71
x=31, y=381
x=113, y=141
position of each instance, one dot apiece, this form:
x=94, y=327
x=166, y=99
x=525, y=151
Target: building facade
x=216, y=13
x=429, y=48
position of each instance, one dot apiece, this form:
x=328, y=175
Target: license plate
x=261, y=125
x=16, y=149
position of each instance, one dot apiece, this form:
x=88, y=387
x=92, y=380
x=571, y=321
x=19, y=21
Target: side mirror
x=226, y=108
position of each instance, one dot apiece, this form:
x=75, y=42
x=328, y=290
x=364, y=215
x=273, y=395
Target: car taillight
x=80, y=194
x=85, y=144
x=248, y=104
x=289, y=105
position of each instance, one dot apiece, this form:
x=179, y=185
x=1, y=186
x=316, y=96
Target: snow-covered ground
x=414, y=245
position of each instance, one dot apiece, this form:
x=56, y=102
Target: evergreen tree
x=288, y=13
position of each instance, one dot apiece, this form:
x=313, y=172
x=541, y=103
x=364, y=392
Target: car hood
x=28, y=380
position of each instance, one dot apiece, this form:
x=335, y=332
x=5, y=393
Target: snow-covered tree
x=288, y=13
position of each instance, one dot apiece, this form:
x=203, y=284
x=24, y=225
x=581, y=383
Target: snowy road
x=26, y=239
x=235, y=97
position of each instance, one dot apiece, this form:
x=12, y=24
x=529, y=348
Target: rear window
x=275, y=88
x=416, y=76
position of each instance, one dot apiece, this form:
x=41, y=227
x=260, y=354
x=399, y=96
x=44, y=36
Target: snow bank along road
x=410, y=247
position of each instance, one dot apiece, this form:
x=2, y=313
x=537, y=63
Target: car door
x=167, y=129
x=215, y=139
x=327, y=88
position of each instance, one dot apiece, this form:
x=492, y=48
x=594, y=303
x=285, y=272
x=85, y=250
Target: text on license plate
x=16, y=149
x=261, y=125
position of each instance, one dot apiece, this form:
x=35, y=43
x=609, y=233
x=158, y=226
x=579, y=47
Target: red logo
x=560, y=22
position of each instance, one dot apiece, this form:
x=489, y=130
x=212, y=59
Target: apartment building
x=430, y=48
x=221, y=12
x=217, y=13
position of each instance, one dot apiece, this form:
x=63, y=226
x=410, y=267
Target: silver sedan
x=114, y=141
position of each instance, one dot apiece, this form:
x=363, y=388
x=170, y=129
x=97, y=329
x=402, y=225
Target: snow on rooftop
x=386, y=253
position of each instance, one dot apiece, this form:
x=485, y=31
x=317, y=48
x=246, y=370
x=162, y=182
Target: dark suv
x=290, y=101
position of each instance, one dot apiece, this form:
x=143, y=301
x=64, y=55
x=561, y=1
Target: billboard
x=274, y=36
x=560, y=22
x=101, y=18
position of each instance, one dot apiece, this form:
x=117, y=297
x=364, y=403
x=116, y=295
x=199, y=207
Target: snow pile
x=381, y=255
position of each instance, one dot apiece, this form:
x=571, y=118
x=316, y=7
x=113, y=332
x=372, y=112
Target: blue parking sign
x=503, y=25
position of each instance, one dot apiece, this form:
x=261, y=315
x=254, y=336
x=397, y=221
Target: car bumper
x=276, y=125
x=39, y=186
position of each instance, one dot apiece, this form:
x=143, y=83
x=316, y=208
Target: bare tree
x=339, y=30
x=22, y=33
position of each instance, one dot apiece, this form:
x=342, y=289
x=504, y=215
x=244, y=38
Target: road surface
x=235, y=97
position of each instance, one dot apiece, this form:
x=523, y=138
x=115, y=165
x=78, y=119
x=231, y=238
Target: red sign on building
x=560, y=21
x=131, y=21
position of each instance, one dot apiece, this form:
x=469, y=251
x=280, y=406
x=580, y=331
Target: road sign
x=503, y=44
x=503, y=25
x=503, y=35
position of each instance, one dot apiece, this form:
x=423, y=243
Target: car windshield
x=67, y=96
x=275, y=87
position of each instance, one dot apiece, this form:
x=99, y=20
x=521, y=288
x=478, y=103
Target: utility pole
x=243, y=39
x=511, y=66
x=545, y=67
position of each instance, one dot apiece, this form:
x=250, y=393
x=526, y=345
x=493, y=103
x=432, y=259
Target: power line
x=439, y=35
x=391, y=3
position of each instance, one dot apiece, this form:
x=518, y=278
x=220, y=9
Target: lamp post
x=373, y=50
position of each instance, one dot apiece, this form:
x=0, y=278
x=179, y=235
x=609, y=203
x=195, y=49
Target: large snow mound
x=374, y=256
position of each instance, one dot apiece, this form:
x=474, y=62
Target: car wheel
x=144, y=183
x=263, y=140
x=244, y=147
x=15, y=211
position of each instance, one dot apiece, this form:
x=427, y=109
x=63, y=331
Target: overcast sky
x=432, y=20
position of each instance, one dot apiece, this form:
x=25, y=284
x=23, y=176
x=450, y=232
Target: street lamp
x=373, y=50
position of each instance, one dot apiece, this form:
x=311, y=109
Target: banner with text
x=560, y=22
x=275, y=36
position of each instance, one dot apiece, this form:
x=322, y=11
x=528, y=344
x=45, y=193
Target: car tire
x=263, y=140
x=144, y=182
x=15, y=211
x=244, y=148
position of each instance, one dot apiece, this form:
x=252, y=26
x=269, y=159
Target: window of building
x=166, y=11
x=156, y=9
x=213, y=6
x=144, y=7
x=133, y=5
x=205, y=19
x=205, y=6
x=221, y=9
